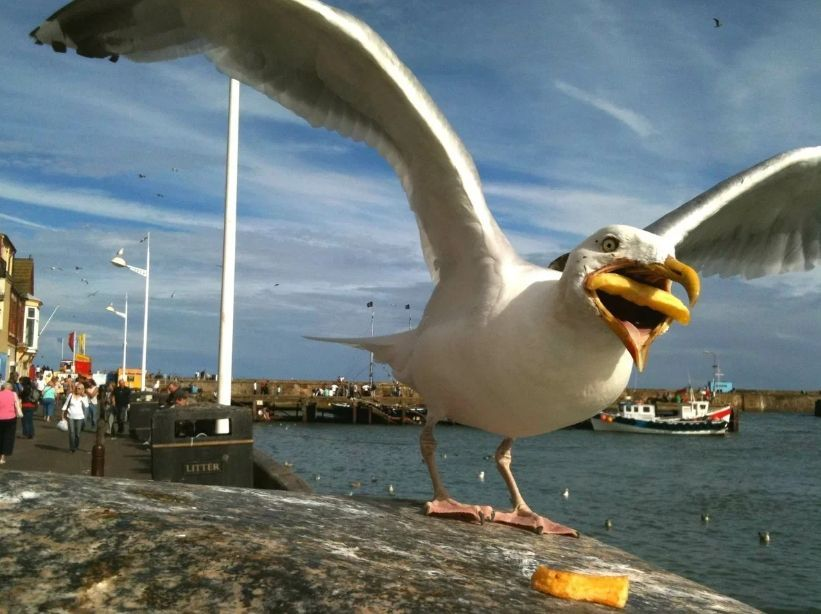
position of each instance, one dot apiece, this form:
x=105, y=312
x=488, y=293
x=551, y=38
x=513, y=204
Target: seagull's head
x=626, y=276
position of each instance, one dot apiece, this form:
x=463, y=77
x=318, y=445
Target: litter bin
x=203, y=444
x=139, y=419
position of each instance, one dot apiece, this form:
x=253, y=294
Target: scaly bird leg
x=443, y=504
x=522, y=516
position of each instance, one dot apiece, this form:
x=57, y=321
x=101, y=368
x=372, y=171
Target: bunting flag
x=81, y=343
x=71, y=341
x=370, y=304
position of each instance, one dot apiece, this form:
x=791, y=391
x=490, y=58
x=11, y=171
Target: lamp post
x=124, y=315
x=119, y=261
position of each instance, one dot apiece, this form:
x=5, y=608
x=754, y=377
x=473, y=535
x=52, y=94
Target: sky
x=578, y=115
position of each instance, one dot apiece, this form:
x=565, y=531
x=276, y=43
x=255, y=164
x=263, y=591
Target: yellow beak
x=635, y=301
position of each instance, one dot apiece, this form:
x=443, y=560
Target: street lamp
x=124, y=316
x=119, y=261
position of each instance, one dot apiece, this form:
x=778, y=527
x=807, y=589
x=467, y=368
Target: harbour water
x=656, y=490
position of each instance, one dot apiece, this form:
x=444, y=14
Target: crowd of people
x=74, y=402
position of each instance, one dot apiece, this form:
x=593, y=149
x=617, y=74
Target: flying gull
x=504, y=345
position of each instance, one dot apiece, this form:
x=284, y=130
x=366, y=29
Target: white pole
x=229, y=249
x=125, y=338
x=145, y=310
x=45, y=326
x=370, y=364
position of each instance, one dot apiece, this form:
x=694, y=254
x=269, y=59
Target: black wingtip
x=113, y=58
x=58, y=46
x=559, y=263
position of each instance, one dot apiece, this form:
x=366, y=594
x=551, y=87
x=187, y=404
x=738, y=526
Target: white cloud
x=98, y=203
x=635, y=121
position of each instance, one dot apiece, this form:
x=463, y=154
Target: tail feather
x=394, y=350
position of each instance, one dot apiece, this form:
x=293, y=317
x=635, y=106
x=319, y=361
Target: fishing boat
x=691, y=417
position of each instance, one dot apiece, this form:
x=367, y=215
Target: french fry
x=606, y=590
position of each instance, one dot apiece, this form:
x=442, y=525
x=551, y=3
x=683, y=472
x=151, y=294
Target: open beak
x=636, y=303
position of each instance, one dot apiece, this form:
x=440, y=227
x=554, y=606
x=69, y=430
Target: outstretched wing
x=326, y=66
x=763, y=221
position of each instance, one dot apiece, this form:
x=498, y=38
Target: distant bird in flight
x=160, y=195
x=84, y=280
x=78, y=268
x=504, y=345
x=717, y=23
x=141, y=176
x=56, y=268
x=93, y=293
x=173, y=293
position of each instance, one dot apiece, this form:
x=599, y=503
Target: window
x=32, y=325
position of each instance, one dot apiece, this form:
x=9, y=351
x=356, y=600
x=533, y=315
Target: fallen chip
x=606, y=590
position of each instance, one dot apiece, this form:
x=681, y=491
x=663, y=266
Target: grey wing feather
x=331, y=69
x=762, y=221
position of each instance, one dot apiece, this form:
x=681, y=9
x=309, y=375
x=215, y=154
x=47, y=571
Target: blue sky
x=578, y=114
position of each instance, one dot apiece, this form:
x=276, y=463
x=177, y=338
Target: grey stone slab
x=70, y=543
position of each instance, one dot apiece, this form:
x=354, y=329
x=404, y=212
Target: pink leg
x=522, y=516
x=442, y=504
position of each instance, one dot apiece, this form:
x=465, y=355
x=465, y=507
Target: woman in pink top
x=9, y=411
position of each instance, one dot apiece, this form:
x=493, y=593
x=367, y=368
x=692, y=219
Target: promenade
x=48, y=451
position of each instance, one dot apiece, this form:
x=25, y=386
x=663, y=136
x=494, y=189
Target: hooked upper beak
x=635, y=301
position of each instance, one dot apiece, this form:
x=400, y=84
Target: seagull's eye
x=609, y=244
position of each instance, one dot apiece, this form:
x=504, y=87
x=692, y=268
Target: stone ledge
x=81, y=543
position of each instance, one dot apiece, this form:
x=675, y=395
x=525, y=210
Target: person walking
x=74, y=410
x=49, y=399
x=29, y=396
x=93, y=411
x=122, y=401
x=10, y=410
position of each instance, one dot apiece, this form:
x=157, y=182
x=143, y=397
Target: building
x=19, y=312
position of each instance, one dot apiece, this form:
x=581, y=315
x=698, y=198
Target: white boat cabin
x=693, y=410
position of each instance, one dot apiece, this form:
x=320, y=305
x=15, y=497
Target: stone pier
x=80, y=543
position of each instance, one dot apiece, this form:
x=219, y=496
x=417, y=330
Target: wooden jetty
x=364, y=410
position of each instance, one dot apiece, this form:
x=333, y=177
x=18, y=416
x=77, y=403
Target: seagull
x=717, y=22
x=503, y=345
x=140, y=175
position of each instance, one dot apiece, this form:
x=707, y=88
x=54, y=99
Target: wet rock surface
x=77, y=542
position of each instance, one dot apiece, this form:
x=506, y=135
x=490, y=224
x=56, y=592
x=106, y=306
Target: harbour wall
x=242, y=390
x=793, y=401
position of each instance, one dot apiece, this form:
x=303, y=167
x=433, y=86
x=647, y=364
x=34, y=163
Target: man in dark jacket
x=122, y=399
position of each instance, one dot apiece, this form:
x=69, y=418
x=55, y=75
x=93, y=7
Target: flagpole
x=370, y=365
x=229, y=249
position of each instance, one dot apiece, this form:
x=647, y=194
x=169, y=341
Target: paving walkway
x=48, y=451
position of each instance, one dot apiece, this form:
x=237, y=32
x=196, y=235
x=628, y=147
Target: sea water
x=692, y=505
